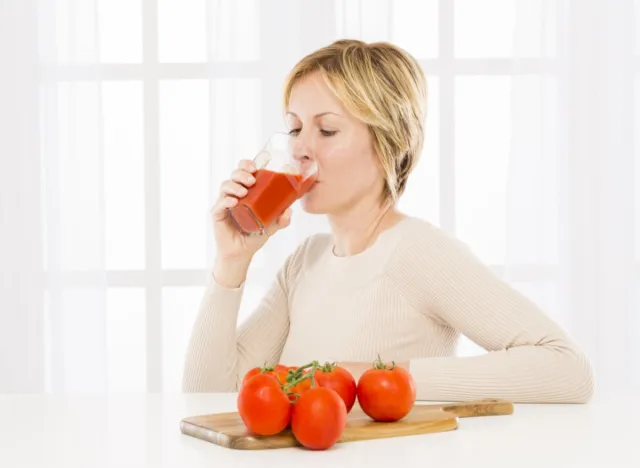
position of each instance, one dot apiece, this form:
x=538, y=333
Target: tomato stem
x=380, y=365
x=312, y=374
x=297, y=376
x=328, y=366
x=306, y=366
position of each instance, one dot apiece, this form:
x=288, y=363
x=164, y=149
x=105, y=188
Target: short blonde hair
x=384, y=87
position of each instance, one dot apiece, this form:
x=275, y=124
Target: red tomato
x=339, y=379
x=278, y=370
x=263, y=406
x=318, y=418
x=386, y=394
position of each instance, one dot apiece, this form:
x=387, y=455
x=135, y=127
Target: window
x=156, y=101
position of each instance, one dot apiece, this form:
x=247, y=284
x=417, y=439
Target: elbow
x=583, y=387
x=579, y=382
x=571, y=372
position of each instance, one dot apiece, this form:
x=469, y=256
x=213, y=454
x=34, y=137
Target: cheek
x=349, y=168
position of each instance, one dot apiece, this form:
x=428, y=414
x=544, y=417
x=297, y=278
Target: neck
x=357, y=228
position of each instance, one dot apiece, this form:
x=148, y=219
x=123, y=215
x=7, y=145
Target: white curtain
x=21, y=250
x=119, y=119
x=573, y=177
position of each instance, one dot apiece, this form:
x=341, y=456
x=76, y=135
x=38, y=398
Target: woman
x=382, y=283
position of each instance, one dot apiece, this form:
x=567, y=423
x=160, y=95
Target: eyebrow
x=315, y=116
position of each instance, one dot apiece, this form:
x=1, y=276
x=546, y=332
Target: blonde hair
x=384, y=87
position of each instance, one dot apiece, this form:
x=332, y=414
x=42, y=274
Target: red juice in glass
x=280, y=181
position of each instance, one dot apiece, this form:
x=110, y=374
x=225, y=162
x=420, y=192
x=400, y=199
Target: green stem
x=379, y=365
x=312, y=374
x=297, y=376
x=328, y=366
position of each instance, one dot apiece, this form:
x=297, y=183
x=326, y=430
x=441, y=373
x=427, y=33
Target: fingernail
x=251, y=179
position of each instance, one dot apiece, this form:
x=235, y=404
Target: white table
x=144, y=431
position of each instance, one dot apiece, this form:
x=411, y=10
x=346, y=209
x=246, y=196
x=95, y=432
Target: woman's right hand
x=232, y=246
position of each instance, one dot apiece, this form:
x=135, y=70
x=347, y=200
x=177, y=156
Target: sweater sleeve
x=219, y=352
x=529, y=358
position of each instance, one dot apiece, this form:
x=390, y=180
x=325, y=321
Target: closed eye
x=326, y=133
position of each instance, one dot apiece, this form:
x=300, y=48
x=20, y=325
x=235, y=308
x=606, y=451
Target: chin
x=312, y=203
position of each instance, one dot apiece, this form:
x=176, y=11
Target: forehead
x=310, y=95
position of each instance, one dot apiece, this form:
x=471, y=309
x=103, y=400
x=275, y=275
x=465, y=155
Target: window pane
x=234, y=30
x=181, y=30
x=78, y=339
x=482, y=136
x=126, y=340
x=367, y=21
x=48, y=350
x=120, y=26
x=411, y=24
x=502, y=28
x=75, y=32
x=422, y=195
x=532, y=191
x=637, y=167
x=184, y=162
x=636, y=25
x=179, y=311
x=415, y=27
x=80, y=228
x=235, y=133
x=636, y=372
x=124, y=175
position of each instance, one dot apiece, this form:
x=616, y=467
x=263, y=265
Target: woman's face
x=341, y=146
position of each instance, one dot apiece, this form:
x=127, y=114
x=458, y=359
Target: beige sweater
x=407, y=298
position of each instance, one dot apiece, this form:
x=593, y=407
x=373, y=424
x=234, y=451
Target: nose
x=300, y=149
x=303, y=154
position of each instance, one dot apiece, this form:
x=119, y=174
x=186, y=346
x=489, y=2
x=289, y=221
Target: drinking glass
x=281, y=179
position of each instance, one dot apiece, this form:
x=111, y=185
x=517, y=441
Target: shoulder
x=420, y=240
x=426, y=253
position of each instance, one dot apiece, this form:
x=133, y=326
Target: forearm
x=523, y=374
x=219, y=351
x=210, y=364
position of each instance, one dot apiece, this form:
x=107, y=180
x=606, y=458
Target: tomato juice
x=272, y=193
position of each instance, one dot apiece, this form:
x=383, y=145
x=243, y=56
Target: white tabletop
x=144, y=431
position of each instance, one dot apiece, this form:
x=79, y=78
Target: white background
x=119, y=119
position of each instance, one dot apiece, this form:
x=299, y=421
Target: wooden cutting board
x=228, y=429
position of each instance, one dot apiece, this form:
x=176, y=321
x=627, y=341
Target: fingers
x=241, y=179
x=247, y=165
x=232, y=188
x=244, y=177
x=219, y=210
x=282, y=222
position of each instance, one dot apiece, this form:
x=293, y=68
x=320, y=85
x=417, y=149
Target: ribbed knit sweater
x=406, y=298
